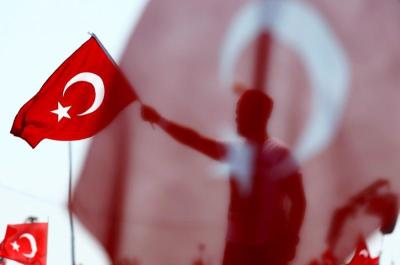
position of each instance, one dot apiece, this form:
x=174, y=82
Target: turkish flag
x=335, y=97
x=25, y=243
x=79, y=99
x=362, y=255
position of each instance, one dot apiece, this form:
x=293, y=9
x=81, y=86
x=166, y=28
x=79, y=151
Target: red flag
x=335, y=94
x=79, y=99
x=25, y=243
x=362, y=255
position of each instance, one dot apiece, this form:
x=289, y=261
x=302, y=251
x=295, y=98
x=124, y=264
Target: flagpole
x=71, y=219
x=103, y=48
x=261, y=59
x=111, y=58
x=262, y=56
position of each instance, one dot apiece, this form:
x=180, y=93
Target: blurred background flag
x=334, y=92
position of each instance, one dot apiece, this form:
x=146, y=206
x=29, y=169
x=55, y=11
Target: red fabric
x=35, y=120
x=362, y=255
x=25, y=243
x=164, y=198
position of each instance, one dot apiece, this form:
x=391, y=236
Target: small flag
x=362, y=255
x=25, y=243
x=79, y=99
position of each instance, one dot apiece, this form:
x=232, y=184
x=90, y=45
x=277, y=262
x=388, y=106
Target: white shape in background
x=304, y=30
x=32, y=241
x=97, y=84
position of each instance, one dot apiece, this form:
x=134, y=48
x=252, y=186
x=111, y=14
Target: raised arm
x=184, y=135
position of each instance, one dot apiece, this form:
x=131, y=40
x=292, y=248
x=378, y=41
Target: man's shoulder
x=276, y=146
x=278, y=154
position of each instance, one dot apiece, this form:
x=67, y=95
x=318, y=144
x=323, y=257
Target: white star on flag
x=15, y=246
x=62, y=112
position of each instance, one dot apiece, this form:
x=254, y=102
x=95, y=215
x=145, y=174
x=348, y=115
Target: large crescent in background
x=304, y=30
x=97, y=84
x=32, y=241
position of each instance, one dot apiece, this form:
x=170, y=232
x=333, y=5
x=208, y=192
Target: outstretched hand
x=149, y=114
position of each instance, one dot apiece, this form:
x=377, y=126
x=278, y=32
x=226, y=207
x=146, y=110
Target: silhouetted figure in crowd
x=267, y=201
x=375, y=200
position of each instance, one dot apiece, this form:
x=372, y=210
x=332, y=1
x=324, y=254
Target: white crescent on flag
x=33, y=244
x=304, y=30
x=97, y=84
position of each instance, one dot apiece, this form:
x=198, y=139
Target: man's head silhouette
x=253, y=111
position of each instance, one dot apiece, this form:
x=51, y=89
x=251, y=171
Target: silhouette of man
x=267, y=201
